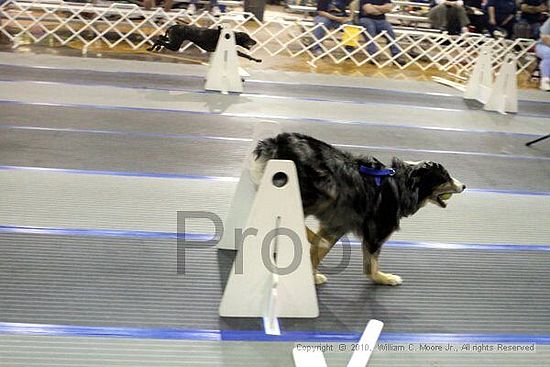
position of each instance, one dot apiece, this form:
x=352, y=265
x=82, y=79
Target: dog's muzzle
x=455, y=187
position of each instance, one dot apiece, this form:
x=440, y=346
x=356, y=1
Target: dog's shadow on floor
x=215, y=102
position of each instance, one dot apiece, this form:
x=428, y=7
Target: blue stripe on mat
x=122, y=173
x=251, y=81
x=9, y=328
x=271, y=96
x=257, y=81
x=275, y=117
x=128, y=133
x=202, y=237
x=259, y=95
x=214, y=178
x=139, y=134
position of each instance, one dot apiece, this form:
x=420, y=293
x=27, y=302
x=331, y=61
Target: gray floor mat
x=61, y=149
x=316, y=92
x=106, y=281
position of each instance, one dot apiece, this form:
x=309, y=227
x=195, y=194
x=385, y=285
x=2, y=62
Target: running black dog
x=205, y=38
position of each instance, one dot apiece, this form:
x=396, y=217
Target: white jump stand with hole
x=223, y=72
x=499, y=95
x=241, y=203
x=504, y=94
x=272, y=273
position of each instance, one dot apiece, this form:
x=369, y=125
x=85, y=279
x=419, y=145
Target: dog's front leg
x=372, y=270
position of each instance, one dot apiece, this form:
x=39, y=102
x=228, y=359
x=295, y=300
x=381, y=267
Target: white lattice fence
x=122, y=24
x=112, y=25
x=466, y=50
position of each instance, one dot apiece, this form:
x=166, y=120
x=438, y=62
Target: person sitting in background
x=501, y=14
x=474, y=11
x=149, y=4
x=372, y=16
x=450, y=16
x=332, y=14
x=214, y=8
x=543, y=52
x=532, y=13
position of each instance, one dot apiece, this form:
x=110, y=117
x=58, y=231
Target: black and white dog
x=205, y=38
x=358, y=194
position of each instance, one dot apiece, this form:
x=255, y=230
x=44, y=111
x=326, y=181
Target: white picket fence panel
x=116, y=24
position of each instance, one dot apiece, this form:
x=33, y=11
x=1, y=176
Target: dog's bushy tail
x=264, y=151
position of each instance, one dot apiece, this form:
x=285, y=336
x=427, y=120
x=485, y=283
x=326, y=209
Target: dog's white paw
x=319, y=278
x=386, y=279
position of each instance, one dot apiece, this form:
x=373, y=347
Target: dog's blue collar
x=377, y=173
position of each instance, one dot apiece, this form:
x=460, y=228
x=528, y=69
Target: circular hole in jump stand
x=280, y=179
x=227, y=36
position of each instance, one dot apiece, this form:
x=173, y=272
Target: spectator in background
x=331, y=13
x=214, y=8
x=532, y=13
x=450, y=16
x=372, y=16
x=501, y=14
x=474, y=11
x=543, y=51
x=149, y=4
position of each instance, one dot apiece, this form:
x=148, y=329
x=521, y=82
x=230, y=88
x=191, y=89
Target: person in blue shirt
x=543, y=51
x=501, y=14
x=372, y=16
x=331, y=13
x=532, y=13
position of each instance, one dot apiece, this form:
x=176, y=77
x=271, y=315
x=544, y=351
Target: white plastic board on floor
x=360, y=357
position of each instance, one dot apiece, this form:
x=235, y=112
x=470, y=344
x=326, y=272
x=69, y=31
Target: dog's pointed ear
x=413, y=176
x=419, y=169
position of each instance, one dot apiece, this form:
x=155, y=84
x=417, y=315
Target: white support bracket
x=504, y=95
x=272, y=273
x=500, y=95
x=480, y=84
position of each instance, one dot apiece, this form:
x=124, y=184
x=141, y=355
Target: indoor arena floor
x=98, y=156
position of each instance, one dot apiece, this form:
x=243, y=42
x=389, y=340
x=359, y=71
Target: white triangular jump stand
x=254, y=287
x=246, y=189
x=504, y=95
x=500, y=95
x=223, y=72
x=480, y=84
